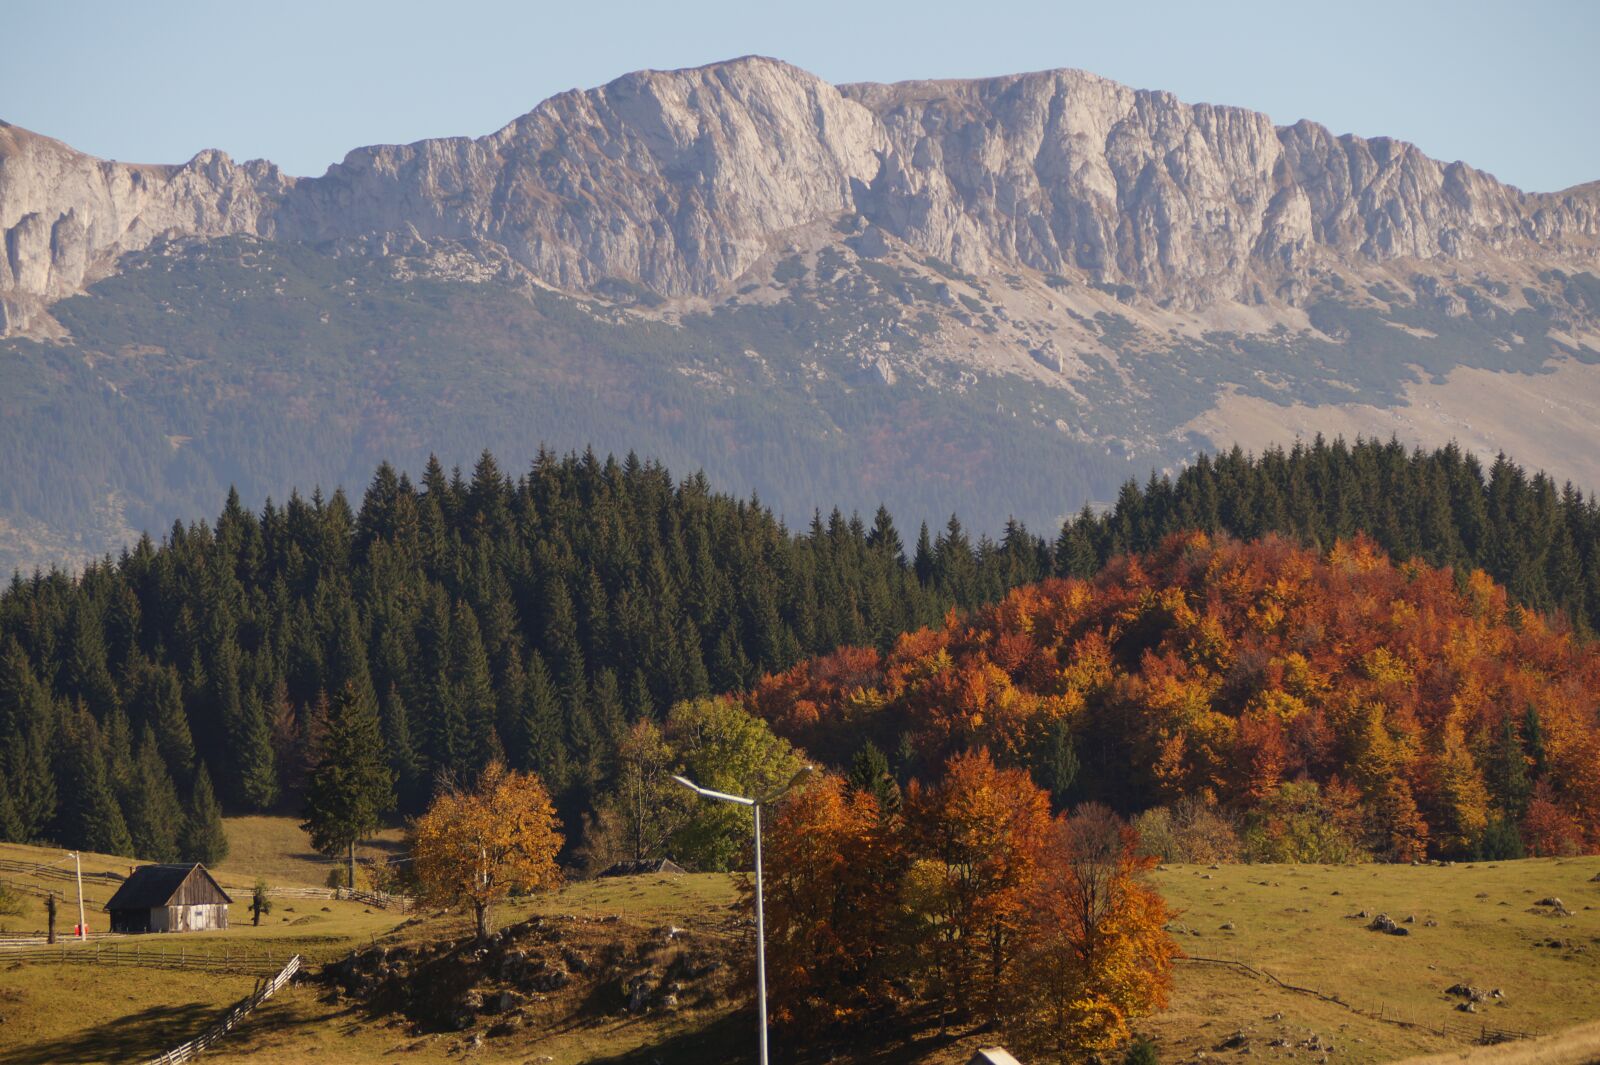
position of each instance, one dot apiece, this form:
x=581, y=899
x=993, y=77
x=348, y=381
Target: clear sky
x=1513, y=88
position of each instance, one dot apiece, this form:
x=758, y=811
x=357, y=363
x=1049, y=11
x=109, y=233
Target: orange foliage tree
x=830, y=858
x=976, y=902
x=1094, y=951
x=1224, y=670
x=475, y=847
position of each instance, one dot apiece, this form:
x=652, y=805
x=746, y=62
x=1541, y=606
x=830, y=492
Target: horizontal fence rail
x=264, y=990
x=226, y=960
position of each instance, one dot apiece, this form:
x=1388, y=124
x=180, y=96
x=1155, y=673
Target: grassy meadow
x=1293, y=922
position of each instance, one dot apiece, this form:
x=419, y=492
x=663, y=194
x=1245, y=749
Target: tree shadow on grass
x=731, y=1039
x=132, y=1037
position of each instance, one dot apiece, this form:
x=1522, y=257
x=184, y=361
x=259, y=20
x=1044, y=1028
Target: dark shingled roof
x=640, y=867
x=153, y=886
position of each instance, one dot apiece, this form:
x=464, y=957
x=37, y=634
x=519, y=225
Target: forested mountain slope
x=535, y=616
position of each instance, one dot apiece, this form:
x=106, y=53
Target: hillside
x=1336, y=704
x=998, y=296
x=1291, y=921
x=540, y=617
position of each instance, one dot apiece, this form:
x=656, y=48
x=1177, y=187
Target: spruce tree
x=255, y=764
x=541, y=739
x=154, y=814
x=472, y=693
x=351, y=787
x=203, y=838
x=90, y=817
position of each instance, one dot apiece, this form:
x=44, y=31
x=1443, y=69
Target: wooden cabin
x=169, y=898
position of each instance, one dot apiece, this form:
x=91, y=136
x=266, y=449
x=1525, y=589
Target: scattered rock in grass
x=1385, y=924
x=1237, y=1041
x=1411, y=919
x=1227, y=926
x=1430, y=923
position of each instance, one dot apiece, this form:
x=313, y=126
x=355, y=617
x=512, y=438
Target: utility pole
x=769, y=799
x=77, y=864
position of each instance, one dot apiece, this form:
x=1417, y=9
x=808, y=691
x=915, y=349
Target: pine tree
x=541, y=732
x=869, y=772
x=90, y=817
x=255, y=765
x=203, y=838
x=472, y=694
x=153, y=812
x=1058, y=764
x=1512, y=786
x=922, y=564
x=396, y=722
x=351, y=787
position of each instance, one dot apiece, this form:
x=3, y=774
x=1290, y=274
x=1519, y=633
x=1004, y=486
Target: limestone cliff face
x=679, y=181
x=65, y=215
x=673, y=180
x=1064, y=169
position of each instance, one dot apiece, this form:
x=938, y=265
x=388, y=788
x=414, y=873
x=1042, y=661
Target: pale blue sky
x=1511, y=88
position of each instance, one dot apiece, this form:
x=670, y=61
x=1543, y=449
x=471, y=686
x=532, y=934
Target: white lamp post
x=761, y=929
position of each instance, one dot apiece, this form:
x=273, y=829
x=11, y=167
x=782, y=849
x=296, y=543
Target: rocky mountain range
x=1094, y=277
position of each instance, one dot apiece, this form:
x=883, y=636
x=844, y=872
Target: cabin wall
x=197, y=918
x=160, y=919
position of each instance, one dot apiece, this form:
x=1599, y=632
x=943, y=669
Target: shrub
x=11, y=900
x=1188, y=831
x=1301, y=823
x=1141, y=1052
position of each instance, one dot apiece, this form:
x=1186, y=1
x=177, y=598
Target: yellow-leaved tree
x=474, y=847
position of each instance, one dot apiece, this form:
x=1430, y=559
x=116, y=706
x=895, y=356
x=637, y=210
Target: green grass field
x=1291, y=921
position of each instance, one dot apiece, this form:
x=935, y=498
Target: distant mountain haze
x=999, y=296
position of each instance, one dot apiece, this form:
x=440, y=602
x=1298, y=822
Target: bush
x=1301, y=823
x=1188, y=831
x=338, y=877
x=11, y=900
x=1141, y=1052
x=1501, y=841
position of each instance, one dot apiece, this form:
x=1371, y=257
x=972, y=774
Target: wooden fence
x=226, y=960
x=58, y=872
x=381, y=899
x=1467, y=1032
x=265, y=989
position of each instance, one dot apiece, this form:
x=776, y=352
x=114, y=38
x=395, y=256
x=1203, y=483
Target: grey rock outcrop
x=66, y=216
x=680, y=181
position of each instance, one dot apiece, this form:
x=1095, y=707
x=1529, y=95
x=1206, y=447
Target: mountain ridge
x=678, y=180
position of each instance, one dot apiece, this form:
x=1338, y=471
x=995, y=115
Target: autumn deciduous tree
x=831, y=924
x=638, y=817
x=978, y=837
x=1547, y=829
x=475, y=847
x=976, y=902
x=1093, y=952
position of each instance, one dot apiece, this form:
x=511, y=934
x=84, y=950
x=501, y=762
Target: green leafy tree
x=722, y=747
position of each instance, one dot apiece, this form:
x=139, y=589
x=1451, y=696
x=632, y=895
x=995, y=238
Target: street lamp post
x=755, y=805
